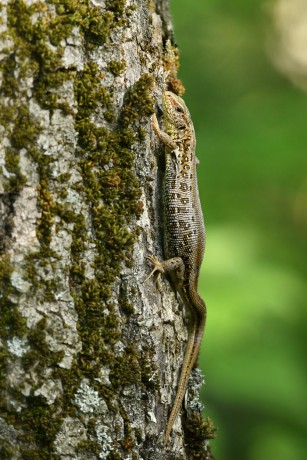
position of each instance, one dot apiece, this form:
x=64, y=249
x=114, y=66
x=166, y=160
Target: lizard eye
x=179, y=109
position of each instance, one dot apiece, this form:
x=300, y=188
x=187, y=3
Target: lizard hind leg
x=174, y=267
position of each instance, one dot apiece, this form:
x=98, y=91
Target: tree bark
x=89, y=354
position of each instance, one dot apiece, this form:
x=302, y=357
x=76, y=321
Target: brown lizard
x=184, y=229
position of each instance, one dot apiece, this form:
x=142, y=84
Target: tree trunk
x=89, y=354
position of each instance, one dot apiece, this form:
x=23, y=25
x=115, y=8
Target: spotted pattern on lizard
x=184, y=232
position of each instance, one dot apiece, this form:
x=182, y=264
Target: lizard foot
x=158, y=267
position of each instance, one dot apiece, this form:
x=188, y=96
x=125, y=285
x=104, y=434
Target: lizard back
x=185, y=229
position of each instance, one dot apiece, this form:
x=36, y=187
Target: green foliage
x=251, y=132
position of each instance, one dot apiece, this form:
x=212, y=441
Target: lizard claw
x=158, y=267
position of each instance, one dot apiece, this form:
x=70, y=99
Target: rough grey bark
x=89, y=353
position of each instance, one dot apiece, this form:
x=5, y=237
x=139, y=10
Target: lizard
x=184, y=229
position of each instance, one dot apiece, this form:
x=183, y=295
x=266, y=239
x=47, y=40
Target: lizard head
x=176, y=114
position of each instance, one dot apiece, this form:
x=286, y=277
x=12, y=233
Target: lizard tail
x=201, y=312
x=192, y=350
x=183, y=381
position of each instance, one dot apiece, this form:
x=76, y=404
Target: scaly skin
x=184, y=235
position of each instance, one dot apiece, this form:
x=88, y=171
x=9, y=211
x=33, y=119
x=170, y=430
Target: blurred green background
x=251, y=131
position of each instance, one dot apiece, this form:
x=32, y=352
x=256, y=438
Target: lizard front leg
x=167, y=140
x=163, y=136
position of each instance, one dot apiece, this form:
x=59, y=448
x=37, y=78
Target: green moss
x=128, y=443
x=89, y=92
x=114, y=456
x=77, y=248
x=43, y=421
x=119, y=191
x=25, y=129
x=12, y=323
x=197, y=432
x=31, y=42
x=16, y=180
x=7, y=450
x=47, y=207
x=126, y=306
x=97, y=27
x=38, y=347
x=118, y=9
x=117, y=67
x=126, y=370
x=22, y=135
x=88, y=447
x=9, y=86
x=138, y=101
